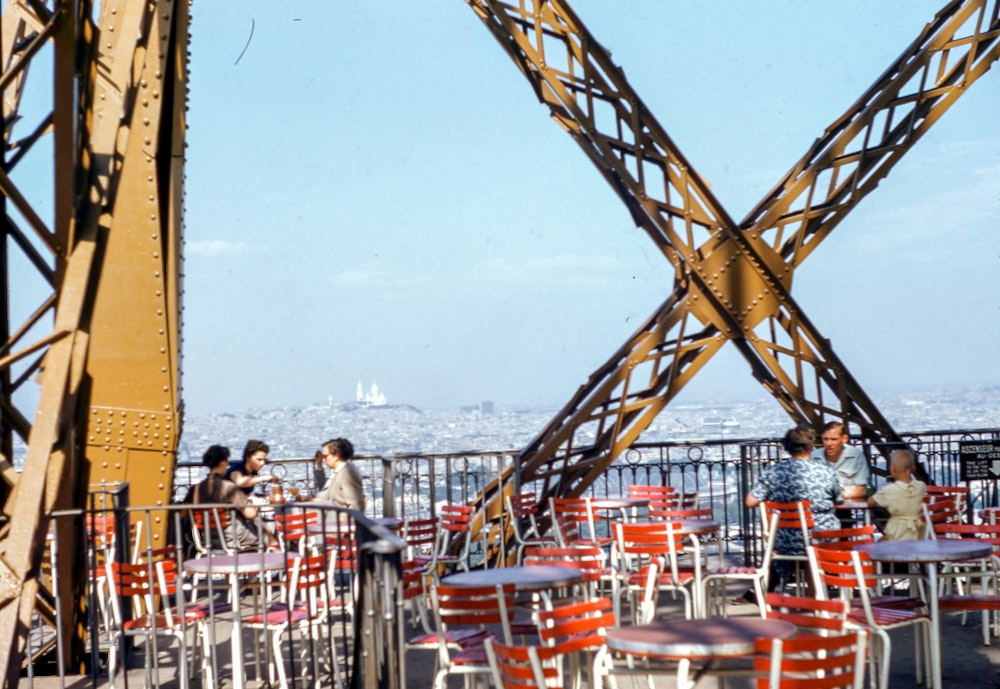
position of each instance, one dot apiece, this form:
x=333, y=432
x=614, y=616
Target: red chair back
x=659, y=497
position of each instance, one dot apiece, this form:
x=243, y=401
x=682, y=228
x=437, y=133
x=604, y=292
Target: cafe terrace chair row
x=466, y=618
x=822, y=654
x=855, y=579
x=440, y=544
x=972, y=585
x=307, y=599
x=135, y=591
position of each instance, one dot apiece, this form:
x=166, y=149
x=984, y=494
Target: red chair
x=647, y=562
x=589, y=559
x=852, y=572
x=813, y=662
x=290, y=526
x=659, y=497
x=473, y=609
x=304, y=606
x=972, y=585
x=846, y=538
x=209, y=530
x=812, y=616
x=421, y=536
x=455, y=537
x=579, y=628
x=849, y=538
x=146, y=586
x=522, y=667
x=778, y=516
x=522, y=520
x=575, y=513
x=940, y=510
x=959, y=494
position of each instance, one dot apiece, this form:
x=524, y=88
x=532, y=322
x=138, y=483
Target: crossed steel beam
x=732, y=281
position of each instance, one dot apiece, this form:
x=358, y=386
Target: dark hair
x=835, y=426
x=799, y=440
x=339, y=446
x=215, y=455
x=255, y=446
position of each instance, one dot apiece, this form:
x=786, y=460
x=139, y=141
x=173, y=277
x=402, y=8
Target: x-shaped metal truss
x=732, y=279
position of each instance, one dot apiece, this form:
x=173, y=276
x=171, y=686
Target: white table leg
x=935, y=649
x=239, y=673
x=684, y=674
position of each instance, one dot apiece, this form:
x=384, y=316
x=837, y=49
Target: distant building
x=373, y=398
x=487, y=407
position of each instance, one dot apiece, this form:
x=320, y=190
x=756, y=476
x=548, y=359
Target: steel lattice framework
x=91, y=279
x=732, y=280
x=102, y=244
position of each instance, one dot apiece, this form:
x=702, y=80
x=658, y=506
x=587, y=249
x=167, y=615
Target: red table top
x=706, y=638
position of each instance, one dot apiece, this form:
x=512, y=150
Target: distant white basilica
x=373, y=398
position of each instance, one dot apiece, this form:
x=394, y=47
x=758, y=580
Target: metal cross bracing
x=732, y=280
x=94, y=95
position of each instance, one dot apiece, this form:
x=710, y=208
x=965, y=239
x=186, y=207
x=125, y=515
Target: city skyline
x=296, y=431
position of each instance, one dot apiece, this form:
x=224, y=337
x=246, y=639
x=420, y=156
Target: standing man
x=847, y=461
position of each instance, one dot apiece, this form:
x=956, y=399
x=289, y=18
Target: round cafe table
x=856, y=507
x=693, y=640
x=618, y=503
x=688, y=526
x=524, y=579
x=234, y=566
x=929, y=552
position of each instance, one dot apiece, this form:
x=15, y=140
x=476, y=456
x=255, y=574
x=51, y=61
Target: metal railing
x=366, y=644
x=721, y=472
x=356, y=646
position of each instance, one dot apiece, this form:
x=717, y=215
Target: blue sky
x=373, y=193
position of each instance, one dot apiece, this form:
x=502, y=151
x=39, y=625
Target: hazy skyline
x=374, y=193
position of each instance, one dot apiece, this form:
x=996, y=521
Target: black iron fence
x=721, y=472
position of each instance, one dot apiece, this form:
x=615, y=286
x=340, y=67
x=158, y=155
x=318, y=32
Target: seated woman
x=246, y=474
x=242, y=532
x=797, y=478
x=903, y=498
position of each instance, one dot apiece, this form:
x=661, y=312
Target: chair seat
x=665, y=578
x=969, y=602
x=160, y=622
x=422, y=560
x=279, y=615
x=884, y=617
x=459, y=638
x=732, y=570
x=524, y=628
x=207, y=609
x=474, y=656
x=889, y=601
